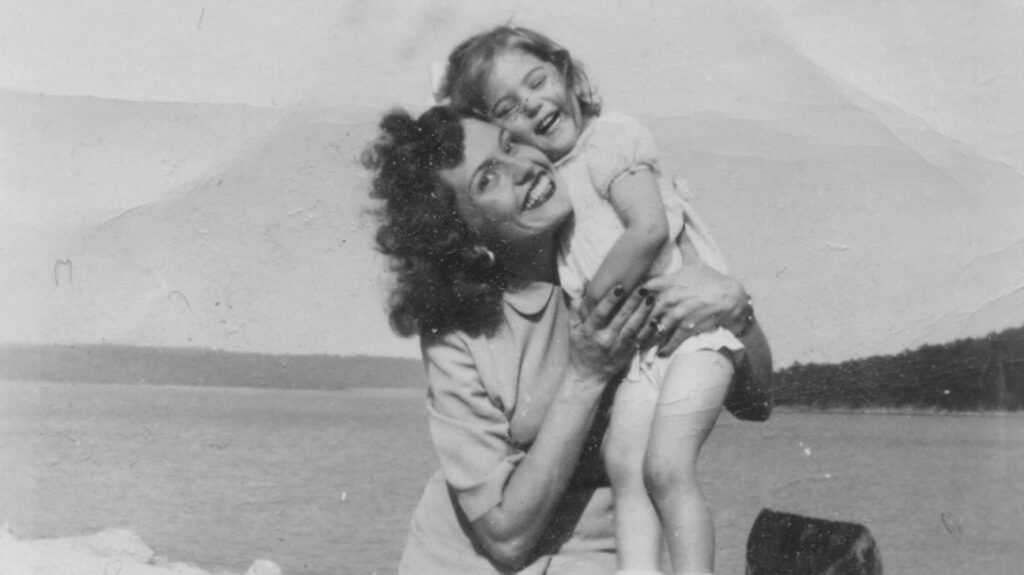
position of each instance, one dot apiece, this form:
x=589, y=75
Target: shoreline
x=410, y=392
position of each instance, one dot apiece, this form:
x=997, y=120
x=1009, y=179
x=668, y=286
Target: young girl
x=626, y=217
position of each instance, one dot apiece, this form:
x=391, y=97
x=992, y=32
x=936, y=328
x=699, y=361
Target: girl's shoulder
x=617, y=144
x=614, y=130
x=616, y=122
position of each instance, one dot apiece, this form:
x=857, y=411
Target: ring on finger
x=659, y=329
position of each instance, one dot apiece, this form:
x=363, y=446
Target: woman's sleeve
x=469, y=429
x=619, y=146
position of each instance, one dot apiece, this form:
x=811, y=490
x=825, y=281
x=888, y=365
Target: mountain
x=125, y=364
x=267, y=249
x=856, y=226
x=861, y=226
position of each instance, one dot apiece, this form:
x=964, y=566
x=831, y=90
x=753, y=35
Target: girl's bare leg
x=637, y=528
x=692, y=393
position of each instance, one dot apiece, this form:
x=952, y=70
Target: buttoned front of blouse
x=488, y=397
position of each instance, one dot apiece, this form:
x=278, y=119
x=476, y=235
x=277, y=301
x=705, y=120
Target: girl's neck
x=584, y=123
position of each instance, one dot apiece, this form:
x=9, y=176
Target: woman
x=519, y=384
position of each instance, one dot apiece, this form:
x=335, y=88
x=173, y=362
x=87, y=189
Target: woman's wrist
x=747, y=319
x=583, y=378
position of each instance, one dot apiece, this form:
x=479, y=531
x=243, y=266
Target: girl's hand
x=606, y=337
x=698, y=299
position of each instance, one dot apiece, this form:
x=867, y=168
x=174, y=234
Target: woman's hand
x=606, y=337
x=697, y=299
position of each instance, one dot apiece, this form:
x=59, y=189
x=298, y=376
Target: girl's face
x=506, y=191
x=532, y=100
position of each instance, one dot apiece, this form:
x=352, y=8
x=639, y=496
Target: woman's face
x=532, y=99
x=506, y=191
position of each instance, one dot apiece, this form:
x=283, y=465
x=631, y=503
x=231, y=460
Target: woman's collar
x=530, y=299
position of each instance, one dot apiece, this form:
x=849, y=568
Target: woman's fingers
x=696, y=300
x=598, y=316
x=638, y=327
x=619, y=322
x=632, y=315
x=675, y=327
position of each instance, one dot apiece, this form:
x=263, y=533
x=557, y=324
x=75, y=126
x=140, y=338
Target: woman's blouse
x=487, y=399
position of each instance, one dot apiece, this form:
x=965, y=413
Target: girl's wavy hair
x=471, y=62
x=445, y=279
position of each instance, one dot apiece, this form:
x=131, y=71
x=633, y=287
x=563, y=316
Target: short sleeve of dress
x=618, y=145
x=470, y=432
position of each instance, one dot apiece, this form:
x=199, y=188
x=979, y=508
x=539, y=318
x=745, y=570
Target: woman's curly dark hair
x=471, y=61
x=445, y=279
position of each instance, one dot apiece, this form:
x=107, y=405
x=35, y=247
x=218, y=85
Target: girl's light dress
x=611, y=147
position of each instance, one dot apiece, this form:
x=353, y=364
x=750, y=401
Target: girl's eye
x=538, y=82
x=503, y=111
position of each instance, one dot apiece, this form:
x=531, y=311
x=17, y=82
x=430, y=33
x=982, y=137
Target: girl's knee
x=664, y=475
x=621, y=462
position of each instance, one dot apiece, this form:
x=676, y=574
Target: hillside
x=978, y=374
x=202, y=367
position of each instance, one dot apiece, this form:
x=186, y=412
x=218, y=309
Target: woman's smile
x=541, y=191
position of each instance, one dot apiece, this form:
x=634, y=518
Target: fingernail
x=649, y=300
x=617, y=292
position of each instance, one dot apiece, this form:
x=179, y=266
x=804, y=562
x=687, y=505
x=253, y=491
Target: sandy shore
x=119, y=551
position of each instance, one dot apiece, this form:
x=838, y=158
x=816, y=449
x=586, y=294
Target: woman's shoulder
x=528, y=304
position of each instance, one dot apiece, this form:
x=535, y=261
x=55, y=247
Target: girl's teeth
x=548, y=122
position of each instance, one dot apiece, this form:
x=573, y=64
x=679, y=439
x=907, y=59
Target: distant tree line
x=978, y=374
x=111, y=363
x=982, y=374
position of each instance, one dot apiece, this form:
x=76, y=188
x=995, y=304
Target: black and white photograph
x=444, y=287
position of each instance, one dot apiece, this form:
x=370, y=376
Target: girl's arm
x=602, y=344
x=637, y=201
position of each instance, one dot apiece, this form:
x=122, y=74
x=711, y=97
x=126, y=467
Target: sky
x=942, y=78
x=952, y=63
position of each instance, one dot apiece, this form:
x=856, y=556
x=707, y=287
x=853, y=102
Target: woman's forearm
x=510, y=531
x=752, y=395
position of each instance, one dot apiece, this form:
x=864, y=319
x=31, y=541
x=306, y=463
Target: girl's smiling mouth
x=548, y=123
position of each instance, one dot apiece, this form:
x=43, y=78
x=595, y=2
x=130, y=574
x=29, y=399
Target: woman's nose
x=523, y=171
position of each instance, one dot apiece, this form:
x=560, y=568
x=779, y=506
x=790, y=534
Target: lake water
x=324, y=482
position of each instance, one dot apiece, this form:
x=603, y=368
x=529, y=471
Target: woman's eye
x=538, y=82
x=486, y=179
x=503, y=112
